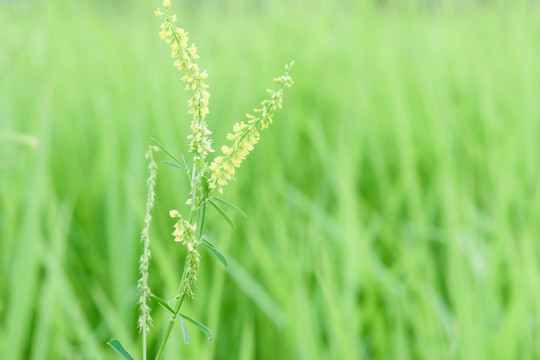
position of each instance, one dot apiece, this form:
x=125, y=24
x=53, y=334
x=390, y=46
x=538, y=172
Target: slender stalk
x=144, y=345
x=195, y=180
x=170, y=327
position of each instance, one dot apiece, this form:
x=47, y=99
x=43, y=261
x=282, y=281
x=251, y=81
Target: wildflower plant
x=204, y=179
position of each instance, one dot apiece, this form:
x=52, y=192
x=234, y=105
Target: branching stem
x=194, y=214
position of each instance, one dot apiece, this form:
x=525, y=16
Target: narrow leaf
x=223, y=213
x=205, y=239
x=256, y=292
x=115, y=344
x=226, y=203
x=204, y=182
x=185, y=333
x=173, y=165
x=162, y=303
x=167, y=151
x=216, y=253
x=201, y=327
x=186, y=162
x=203, y=215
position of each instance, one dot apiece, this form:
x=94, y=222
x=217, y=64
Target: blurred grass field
x=393, y=206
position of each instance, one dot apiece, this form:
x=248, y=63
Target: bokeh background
x=393, y=205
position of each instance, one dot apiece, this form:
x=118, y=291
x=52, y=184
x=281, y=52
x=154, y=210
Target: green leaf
x=186, y=162
x=223, y=213
x=173, y=165
x=201, y=327
x=203, y=215
x=185, y=333
x=204, y=182
x=167, y=151
x=162, y=303
x=226, y=203
x=205, y=239
x=215, y=252
x=115, y=344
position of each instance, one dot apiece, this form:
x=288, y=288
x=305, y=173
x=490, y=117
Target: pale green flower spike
x=246, y=135
x=145, y=321
x=177, y=39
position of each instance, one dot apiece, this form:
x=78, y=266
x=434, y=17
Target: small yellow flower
x=183, y=230
x=166, y=4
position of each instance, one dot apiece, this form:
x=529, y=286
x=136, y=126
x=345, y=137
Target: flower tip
x=289, y=66
x=167, y=4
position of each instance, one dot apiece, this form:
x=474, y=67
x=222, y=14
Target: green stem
x=192, y=216
x=144, y=344
x=170, y=327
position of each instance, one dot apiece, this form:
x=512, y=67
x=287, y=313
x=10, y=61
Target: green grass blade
x=203, y=216
x=205, y=185
x=185, y=333
x=256, y=292
x=223, y=213
x=201, y=327
x=117, y=346
x=162, y=303
x=186, y=161
x=233, y=207
x=173, y=165
x=167, y=151
x=206, y=240
x=216, y=253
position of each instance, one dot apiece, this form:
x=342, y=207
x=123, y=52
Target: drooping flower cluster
x=246, y=135
x=184, y=232
x=142, y=286
x=200, y=144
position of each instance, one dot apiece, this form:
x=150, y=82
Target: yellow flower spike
x=245, y=136
x=200, y=145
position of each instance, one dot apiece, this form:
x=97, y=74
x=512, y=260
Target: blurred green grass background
x=393, y=205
